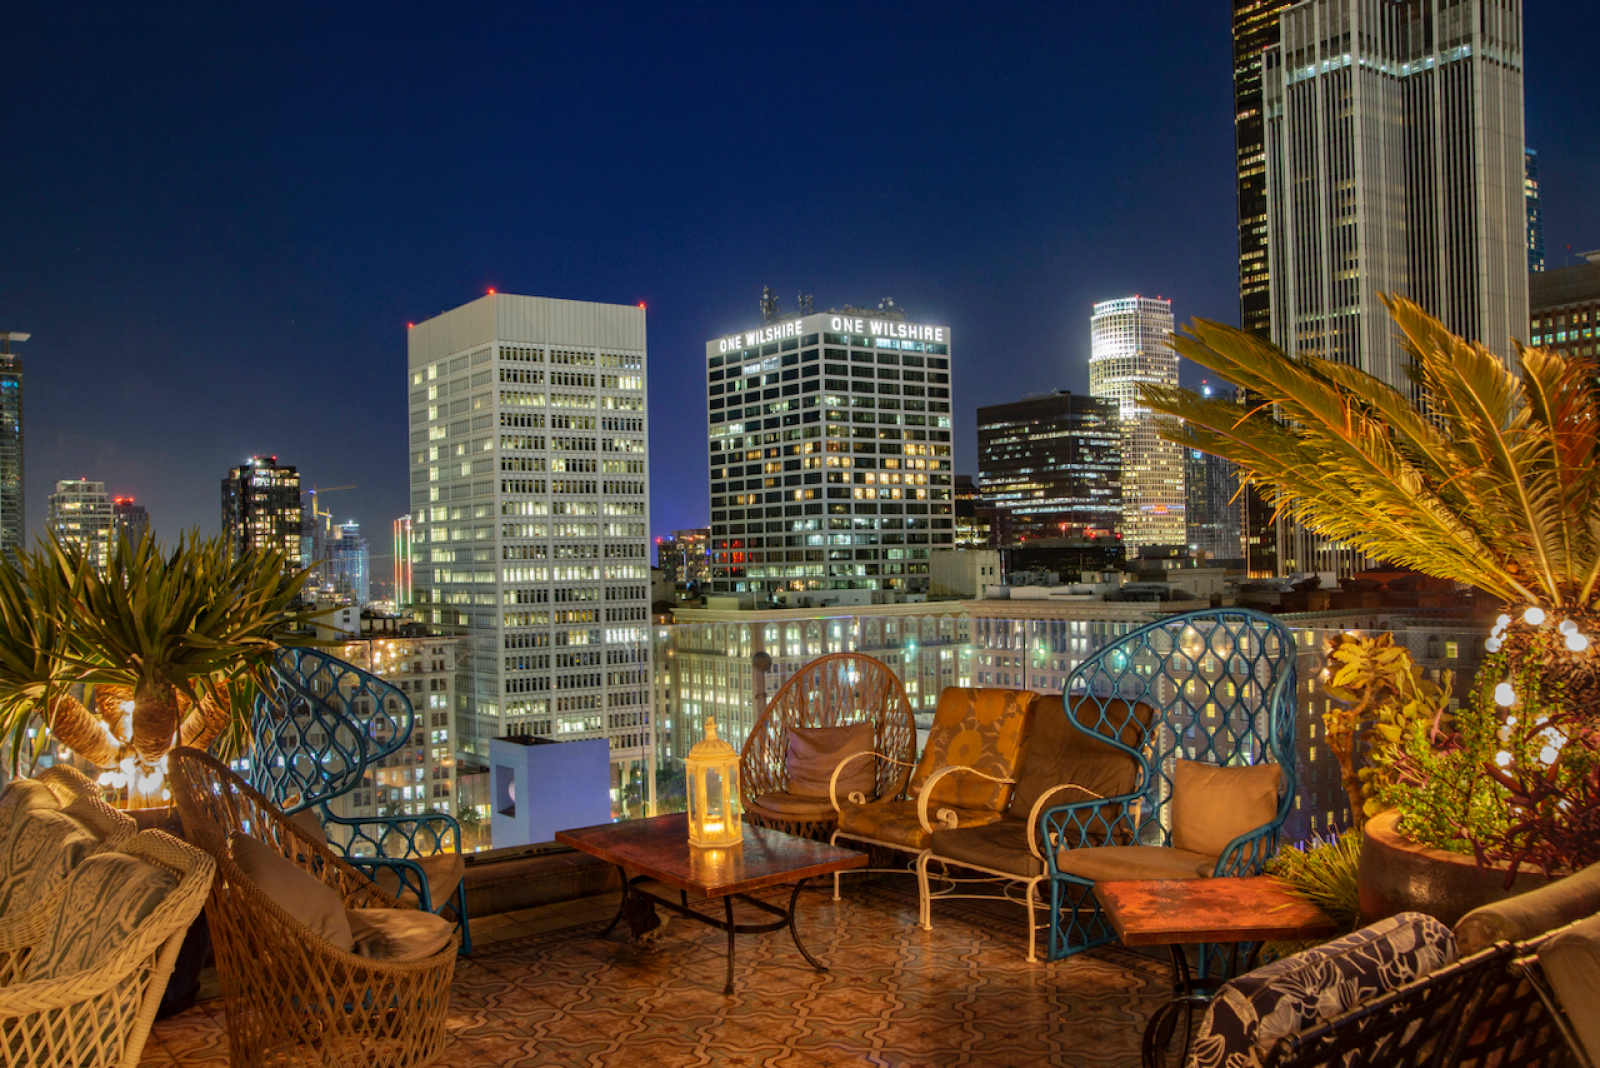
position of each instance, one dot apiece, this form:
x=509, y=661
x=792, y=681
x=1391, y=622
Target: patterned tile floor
x=542, y=988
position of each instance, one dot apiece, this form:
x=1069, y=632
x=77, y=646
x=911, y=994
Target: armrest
x=947, y=818
x=856, y=796
x=419, y=836
x=1248, y=853
x=1038, y=806
x=409, y=873
x=1079, y=815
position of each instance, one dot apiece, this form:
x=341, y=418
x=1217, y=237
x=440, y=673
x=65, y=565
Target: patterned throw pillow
x=20, y=796
x=44, y=847
x=107, y=897
x=1251, y=1013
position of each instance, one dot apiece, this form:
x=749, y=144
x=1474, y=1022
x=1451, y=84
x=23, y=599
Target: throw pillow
x=45, y=846
x=814, y=752
x=1519, y=918
x=307, y=820
x=1212, y=805
x=107, y=897
x=294, y=890
x=1571, y=961
x=20, y=796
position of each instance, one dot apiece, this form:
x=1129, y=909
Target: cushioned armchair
x=1062, y=763
x=834, y=708
x=318, y=963
x=979, y=733
x=82, y=987
x=324, y=727
x=1215, y=767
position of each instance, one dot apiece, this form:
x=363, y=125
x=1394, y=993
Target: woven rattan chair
x=100, y=1015
x=834, y=691
x=289, y=996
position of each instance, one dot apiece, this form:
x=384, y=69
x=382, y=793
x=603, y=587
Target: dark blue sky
x=219, y=218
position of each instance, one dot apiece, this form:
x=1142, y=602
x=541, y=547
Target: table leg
x=794, y=930
x=1158, y=1032
x=727, y=904
x=621, y=902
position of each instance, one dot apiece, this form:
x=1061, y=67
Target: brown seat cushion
x=444, y=872
x=1106, y=864
x=1571, y=962
x=294, y=890
x=397, y=935
x=1213, y=805
x=896, y=823
x=1059, y=753
x=814, y=752
x=999, y=846
x=1519, y=918
x=783, y=805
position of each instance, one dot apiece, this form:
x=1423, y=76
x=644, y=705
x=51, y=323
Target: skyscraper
x=13, y=504
x=1211, y=484
x=129, y=520
x=1395, y=164
x=348, y=572
x=261, y=508
x=830, y=453
x=529, y=505
x=685, y=556
x=1053, y=462
x=1530, y=192
x=79, y=513
x=1564, y=309
x=402, y=563
x=1131, y=344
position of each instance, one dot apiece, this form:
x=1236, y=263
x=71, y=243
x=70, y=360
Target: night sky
x=219, y=218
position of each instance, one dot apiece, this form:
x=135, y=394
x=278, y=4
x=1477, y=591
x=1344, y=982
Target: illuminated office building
x=13, y=510
x=1130, y=346
x=830, y=453
x=348, y=572
x=80, y=514
x=529, y=508
x=1564, y=309
x=1212, y=486
x=1530, y=193
x=1054, y=463
x=261, y=509
x=402, y=563
x=129, y=520
x=685, y=557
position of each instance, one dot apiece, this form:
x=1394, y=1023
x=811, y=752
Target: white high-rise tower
x=530, y=503
x=1131, y=345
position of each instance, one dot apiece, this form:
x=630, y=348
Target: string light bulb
x=1504, y=695
x=1534, y=616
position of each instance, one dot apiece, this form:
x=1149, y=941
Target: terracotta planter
x=1397, y=875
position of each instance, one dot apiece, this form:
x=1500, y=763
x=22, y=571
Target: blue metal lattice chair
x=1222, y=682
x=320, y=730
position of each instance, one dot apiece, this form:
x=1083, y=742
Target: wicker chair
x=833, y=691
x=289, y=996
x=100, y=1015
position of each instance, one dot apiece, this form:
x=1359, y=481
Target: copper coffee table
x=1180, y=912
x=659, y=849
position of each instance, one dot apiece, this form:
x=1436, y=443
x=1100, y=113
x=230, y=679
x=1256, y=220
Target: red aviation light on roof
x=491, y=291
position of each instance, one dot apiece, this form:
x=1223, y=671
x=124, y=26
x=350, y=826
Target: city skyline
x=257, y=238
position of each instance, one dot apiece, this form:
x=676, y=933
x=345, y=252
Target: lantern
x=712, y=773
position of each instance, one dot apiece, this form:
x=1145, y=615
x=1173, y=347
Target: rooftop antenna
x=886, y=304
x=769, y=305
x=804, y=301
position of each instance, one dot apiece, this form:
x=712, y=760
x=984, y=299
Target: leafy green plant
x=165, y=648
x=1322, y=872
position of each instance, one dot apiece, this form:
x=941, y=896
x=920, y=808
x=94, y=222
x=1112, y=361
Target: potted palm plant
x=1483, y=474
x=164, y=648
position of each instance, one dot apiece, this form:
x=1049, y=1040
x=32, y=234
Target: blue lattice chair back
x=320, y=724
x=322, y=728
x=1217, y=686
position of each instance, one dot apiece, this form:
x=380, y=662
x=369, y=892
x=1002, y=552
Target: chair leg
x=924, y=903
x=1033, y=930
x=833, y=840
x=461, y=919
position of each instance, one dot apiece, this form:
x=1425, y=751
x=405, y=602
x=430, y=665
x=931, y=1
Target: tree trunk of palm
x=156, y=716
x=79, y=730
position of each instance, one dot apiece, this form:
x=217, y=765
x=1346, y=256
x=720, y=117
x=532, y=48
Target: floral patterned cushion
x=979, y=728
x=43, y=849
x=107, y=897
x=896, y=822
x=20, y=796
x=1251, y=1013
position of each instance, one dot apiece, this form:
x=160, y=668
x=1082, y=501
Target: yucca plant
x=1481, y=473
x=165, y=648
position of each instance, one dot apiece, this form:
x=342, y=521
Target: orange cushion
x=980, y=728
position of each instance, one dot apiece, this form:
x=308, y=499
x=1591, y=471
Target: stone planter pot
x=1397, y=875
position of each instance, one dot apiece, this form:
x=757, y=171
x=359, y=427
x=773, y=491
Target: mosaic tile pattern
x=961, y=994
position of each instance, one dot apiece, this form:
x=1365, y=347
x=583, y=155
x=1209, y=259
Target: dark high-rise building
x=1530, y=194
x=830, y=452
x=685, y=556
x=129, y=520
x=1054, y=463
x=13, y=511
x=1564, y=308
x=1255, y=29
x=348, y=566
x=261, y=508
x=1211, y=484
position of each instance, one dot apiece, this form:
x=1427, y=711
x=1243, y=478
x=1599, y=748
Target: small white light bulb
x=1492, y=645
x=1503, y=758
x=1577, y=642
x=1503, y=622
x=1504, y=695
x=1568, y=627
x=1533, y=616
